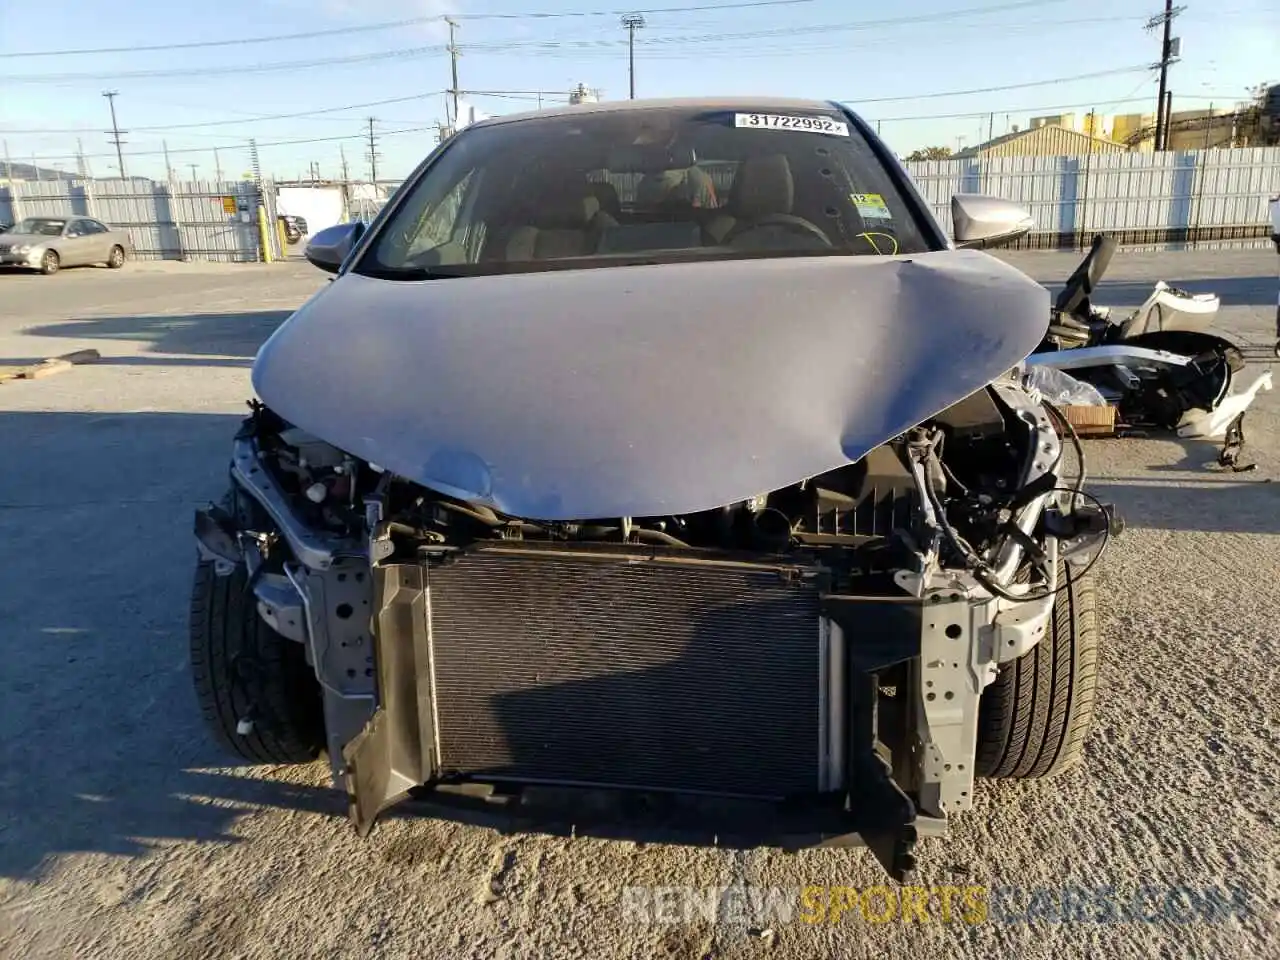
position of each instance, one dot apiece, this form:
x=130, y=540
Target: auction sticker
x=871, y=206
x=773, y=121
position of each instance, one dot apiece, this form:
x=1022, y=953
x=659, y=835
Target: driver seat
x=566, y=223
x=763, y=187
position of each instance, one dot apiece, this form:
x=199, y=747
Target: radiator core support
x=529, y=667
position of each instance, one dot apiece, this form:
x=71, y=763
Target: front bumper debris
x=887, y=687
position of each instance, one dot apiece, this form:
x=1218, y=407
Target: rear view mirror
x=647, y=158
x=329, y=248
x=982, y=221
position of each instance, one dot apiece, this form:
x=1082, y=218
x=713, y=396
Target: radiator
x=622, y=672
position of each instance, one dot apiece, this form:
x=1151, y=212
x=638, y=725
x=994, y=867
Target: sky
x=928, y=72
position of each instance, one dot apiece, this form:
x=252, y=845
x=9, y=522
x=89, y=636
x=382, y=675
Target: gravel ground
x=123, y=835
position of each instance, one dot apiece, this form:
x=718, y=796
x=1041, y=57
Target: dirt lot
x=123, y=835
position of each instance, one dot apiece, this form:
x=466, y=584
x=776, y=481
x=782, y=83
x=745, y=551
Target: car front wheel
x=50, y=263
x=1033, y=720
x=116, y=260
x=260, y=699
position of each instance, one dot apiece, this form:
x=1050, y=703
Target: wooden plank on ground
x=48, y=367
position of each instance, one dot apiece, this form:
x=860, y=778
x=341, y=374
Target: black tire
x=244, y=669
x=116, y=258
x=1033, y=720
x=50, y=263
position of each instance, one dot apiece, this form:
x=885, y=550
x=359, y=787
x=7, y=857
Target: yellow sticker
x=871, y=206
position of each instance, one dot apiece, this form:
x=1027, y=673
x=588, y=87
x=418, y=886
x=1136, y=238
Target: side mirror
x=982, y=221
x=329, y=248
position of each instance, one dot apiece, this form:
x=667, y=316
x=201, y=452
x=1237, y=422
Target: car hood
x=13, y=239
x=644, y=390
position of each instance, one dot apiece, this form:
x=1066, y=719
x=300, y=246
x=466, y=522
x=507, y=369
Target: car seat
x=566, y=224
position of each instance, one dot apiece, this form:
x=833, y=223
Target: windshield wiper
x=410, y=273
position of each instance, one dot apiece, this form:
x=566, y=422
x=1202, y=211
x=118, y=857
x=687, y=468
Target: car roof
x=744, y=104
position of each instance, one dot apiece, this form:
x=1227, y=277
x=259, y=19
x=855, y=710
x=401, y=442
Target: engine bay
x=948, y=490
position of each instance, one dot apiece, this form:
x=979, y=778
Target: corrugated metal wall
x=1159, y=200
x=1201, y=197
x=200, y=220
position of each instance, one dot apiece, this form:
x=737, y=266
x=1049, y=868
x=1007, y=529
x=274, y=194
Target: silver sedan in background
x=49, y=243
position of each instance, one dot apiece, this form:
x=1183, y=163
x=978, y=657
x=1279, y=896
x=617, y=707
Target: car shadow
x=234, y=335
x=103, y=742
x=129, y=817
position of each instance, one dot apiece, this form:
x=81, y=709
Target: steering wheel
x=788, y=222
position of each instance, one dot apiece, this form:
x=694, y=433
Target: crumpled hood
x=14, y=239
x=644, y=390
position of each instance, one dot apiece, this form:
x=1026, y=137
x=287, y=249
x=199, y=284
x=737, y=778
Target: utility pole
x=168, y=168
x=8, y=164
x=453, y=60
x=991, y=127
x=342, y=152
x=373, y=152
x=255, y=164
x=115, y=129
x=82, y=165
x=217, y=165
x=1168, y=54
x=194, y=167
x=633, y=22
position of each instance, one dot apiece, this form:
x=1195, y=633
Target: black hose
x=638, y=533
x=480, y=515
x=657, y=536
x=1075, y=442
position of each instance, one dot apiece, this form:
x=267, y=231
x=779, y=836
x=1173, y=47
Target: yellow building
x=1127, y=126
x=1093, y=124
x=1047, y=140
x=1202, y=129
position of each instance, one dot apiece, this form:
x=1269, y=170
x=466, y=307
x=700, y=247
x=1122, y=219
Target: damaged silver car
x=658, y=463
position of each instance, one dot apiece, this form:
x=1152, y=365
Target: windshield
x=40, y=225
x=646, y=185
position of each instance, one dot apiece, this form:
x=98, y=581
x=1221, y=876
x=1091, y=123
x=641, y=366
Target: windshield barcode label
x=773, y=121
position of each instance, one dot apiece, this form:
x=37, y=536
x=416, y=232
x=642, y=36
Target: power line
x=1043, y=109
x=240, y=145
x=853, y=102
x=434, y=50
x=570, y=14
x=250, y=118
x=1001, y=88
x=398, y=24
x=224, y=70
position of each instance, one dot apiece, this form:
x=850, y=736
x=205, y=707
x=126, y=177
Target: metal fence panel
x=1164, y=200
x=166, y=221
x=1159, y=200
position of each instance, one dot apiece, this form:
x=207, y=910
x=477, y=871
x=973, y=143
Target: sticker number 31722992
x=771, y=121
